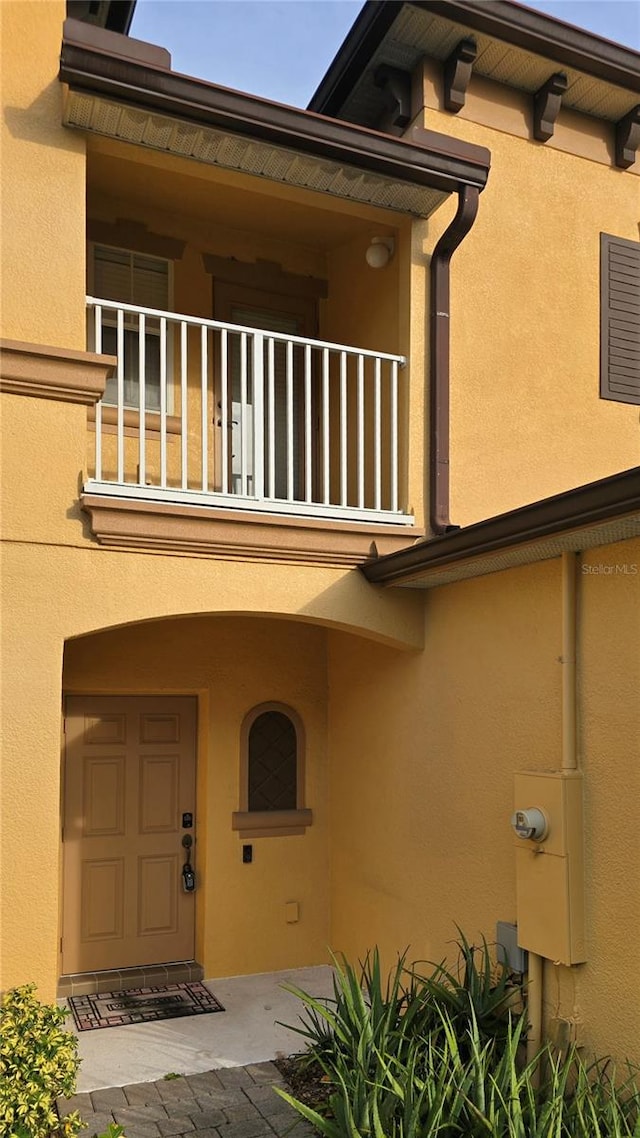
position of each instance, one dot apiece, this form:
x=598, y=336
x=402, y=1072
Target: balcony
x=203, y=413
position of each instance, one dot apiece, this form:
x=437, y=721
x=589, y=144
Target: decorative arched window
x=272, y=746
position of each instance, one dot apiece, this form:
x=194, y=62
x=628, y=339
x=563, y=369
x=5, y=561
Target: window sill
x=270, y=823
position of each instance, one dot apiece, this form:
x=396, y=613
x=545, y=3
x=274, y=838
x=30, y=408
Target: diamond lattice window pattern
x=272, y=763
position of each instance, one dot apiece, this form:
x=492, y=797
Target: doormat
x=142, y=1005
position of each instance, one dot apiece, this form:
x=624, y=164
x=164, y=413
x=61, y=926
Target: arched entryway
x=153, y=755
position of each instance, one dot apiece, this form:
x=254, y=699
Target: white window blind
x=132, y=278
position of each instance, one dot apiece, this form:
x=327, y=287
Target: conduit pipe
x=569, y=753
x=569, y=763
x=535, y=965
x=439, y=400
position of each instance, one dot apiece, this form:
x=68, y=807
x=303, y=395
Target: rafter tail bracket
x=546, y=106
x=457, y=74
x=628, y=138
x=396, y=85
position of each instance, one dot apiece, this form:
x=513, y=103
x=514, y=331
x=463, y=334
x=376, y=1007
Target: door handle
x=188, y=873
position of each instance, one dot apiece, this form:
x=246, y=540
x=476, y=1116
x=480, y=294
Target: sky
x=280, y=49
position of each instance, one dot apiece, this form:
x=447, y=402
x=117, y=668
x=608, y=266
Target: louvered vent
x=619, y=319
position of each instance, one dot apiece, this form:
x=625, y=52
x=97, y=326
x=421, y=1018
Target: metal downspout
x=440, y=342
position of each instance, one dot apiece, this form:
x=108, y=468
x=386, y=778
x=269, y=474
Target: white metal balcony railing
x=216, y=414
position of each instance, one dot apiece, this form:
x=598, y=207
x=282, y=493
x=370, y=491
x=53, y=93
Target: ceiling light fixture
x=380, y=252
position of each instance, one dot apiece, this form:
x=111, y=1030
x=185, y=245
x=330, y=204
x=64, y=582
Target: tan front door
x=129, y=780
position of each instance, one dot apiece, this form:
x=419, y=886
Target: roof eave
x=437, y=162
x=545, y=35
x=114, y=16
x=583, y=508
x=504, y=19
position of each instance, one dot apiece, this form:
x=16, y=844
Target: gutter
x=440, y=339
x=608, y=500
x=438, y=161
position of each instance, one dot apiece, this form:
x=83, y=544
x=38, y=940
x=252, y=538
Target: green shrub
x=443, y=1055
x=38, y=1062
x=369, y=1015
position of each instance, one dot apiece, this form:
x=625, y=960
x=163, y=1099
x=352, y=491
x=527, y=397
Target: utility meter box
x=550, y=868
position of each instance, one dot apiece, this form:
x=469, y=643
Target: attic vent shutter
x=619, y=319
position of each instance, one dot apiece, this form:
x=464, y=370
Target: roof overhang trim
x=599, y=513
x=151, y=106
x=546, y=36
x=604, y=78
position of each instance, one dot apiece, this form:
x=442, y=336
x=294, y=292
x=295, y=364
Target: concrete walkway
x=233, y=1102
x=249, y=1032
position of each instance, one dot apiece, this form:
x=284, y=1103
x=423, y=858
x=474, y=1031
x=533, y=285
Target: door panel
x=129, y=777
x=289, y=315
x=102, y=899
x=103, y=796
x=157, y=895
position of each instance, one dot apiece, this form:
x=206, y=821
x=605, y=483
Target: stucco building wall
x=43, y=184
x=527, y=420
x=434, y=740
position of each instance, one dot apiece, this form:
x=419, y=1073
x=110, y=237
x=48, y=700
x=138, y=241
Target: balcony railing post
x=258, y=415
x=163, y=402
x=308, y=437
x=377, y=437
x=184, y=435
x=289, y=416
x=142, y=400
x=224, y=410
x=97, y=347
x=394, y=436
x=343, y=428
x=271, y=418
x=244, y=428
x=204, y=406
x=360, y=413
x=120, y=376
x=326, y=456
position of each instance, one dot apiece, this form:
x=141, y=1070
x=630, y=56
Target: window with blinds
x=619, y=319
x=132, y=278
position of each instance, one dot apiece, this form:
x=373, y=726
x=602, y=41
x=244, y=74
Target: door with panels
x=129, y=799
x=268, y=416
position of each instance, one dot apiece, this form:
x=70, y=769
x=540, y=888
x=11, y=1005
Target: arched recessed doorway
x=154, y=754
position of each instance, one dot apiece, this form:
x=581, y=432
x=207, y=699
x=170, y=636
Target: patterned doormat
x=142, y=1005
